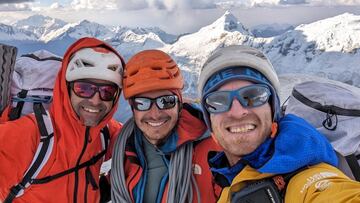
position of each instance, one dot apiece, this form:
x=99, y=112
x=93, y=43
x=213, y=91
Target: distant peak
x=39, y=20
x=85, y=21
x=228, y=17
x=38, y=16
x=230, y=23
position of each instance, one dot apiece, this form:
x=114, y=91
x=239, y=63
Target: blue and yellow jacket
x=297, y=145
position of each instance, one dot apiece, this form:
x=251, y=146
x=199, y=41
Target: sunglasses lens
x=107, y=92
x=218, y=102
x=254, y=96
x=87, y=90
x=166, y=102
x=142, y=104
x=249, y=97
x=84, y=90
x=162, y=102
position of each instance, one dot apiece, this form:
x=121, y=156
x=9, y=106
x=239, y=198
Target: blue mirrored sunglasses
x=249, y=97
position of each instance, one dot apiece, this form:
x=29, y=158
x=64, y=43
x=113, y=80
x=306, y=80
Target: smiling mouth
x=156, y=124
x=90, y=110
x=242, y=129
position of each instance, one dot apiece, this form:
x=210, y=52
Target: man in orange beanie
x=161, y=154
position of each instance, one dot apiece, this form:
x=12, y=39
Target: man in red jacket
x=86, y=94
x=160, y=155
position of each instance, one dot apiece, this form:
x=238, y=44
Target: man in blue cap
x=263, y=151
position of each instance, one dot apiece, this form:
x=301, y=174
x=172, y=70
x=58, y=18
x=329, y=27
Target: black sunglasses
x=87, y=89
x=162, y=102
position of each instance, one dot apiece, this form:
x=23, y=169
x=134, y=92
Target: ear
x=274, y=128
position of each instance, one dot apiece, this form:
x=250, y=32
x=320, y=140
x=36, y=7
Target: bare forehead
x=155, y=93
x=235, y=84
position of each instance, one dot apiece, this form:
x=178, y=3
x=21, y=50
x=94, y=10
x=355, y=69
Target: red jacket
x=20, y=138
x=189, y=129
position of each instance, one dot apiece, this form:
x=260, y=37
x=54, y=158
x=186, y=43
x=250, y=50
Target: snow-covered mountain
x=224, y=31
x=40, y=25
x=327, y=48
x=191, y=50
x=56, y=35
x=10, y=33
x=78, y=30
x=270, y=30
x=129, y=41
x=165, y=37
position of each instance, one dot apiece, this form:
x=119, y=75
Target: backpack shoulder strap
x=15, y=113
x=42, y=154
x=353, y=163
x=105, y=139
x=270, y=189
x=105, y=136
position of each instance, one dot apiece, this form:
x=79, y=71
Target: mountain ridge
x=327, y=48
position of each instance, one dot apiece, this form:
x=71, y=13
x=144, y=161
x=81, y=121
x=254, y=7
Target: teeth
x=156, y=124
x=242, y=129
x=91, y=110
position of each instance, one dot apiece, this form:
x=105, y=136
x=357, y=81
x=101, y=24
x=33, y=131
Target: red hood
x=62, y=112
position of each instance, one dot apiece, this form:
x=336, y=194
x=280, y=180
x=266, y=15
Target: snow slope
x=326, y=48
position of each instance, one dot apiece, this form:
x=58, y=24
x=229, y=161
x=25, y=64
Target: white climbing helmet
x=95, y=63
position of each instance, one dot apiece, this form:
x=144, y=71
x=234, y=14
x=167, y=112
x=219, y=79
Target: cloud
x=335, y=2
x=169, y=5
x=289, y=2
x=15, y=7
x=94, y=4
x=14, y=1
x=173, y=5
x=56, y=6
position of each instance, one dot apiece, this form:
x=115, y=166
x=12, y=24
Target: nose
x=237, y=110
x=154, y=111
x=95, y=100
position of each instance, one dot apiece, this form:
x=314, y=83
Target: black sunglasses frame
x=152, y=101
x=97, y=85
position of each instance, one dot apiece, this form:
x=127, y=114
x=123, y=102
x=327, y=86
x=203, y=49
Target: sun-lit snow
x=329, y=48
x=326, y=48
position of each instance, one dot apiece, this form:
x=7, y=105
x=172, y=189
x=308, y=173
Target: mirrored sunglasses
x=87, y=89
x=249, y=97
x=162, y=102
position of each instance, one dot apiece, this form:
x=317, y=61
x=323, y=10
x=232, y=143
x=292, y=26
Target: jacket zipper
x=76, y=185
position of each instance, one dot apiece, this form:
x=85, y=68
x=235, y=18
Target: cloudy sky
x=178, y=16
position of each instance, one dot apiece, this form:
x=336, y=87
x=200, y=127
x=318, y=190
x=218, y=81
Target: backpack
x=31, y=92
x=33, y=81
x=333, y=108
